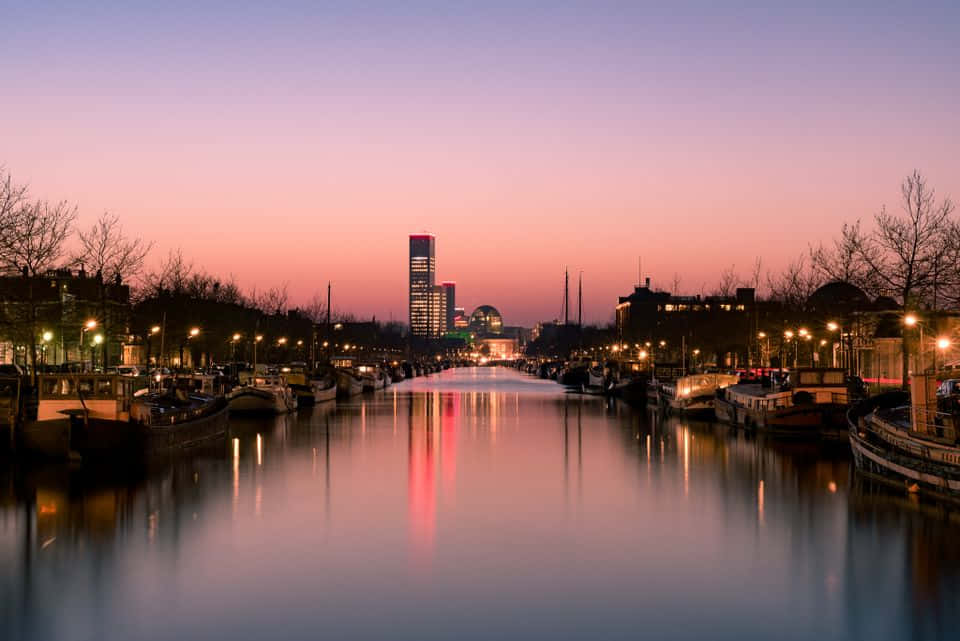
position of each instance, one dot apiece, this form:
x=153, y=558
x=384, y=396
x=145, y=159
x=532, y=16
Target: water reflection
x=475, y=504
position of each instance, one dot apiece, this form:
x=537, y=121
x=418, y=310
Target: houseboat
x=372, y=378
x=349, y=382
x=811, y=402
x=89, y=415
x=267, y=393
x=309, y=387
x=912, y=440
x=180, y=417
x=694, y=393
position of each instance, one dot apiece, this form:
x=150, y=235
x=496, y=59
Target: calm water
x=475, y=504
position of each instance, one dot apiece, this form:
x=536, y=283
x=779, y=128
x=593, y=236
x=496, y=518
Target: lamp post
x=86, y=327
x=46, y=338
x=943, y=344
x=911, y=321
x=153, y=332
x=97, y=340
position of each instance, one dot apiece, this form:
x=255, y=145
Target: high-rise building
x=424, y=294
x=449, y=304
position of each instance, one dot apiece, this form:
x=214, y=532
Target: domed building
x=486, y=320
x=839, y=298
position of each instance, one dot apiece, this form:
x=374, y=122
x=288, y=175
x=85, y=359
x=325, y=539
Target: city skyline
x=606, y=137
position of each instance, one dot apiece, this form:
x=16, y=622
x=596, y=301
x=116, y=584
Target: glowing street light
x=282, y=341
x=943, y=343
x=761, y=335
x=259, y=338
x=155, y=329
x=47, y=336
x=98, y=339
x=194, y=331
x=910, y=320
x=802, y=331
x=832, y=326
x=788, y=334
x=90, y=324
x=236, y=337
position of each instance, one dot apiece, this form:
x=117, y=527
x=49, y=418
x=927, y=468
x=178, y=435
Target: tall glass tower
x=424, y=306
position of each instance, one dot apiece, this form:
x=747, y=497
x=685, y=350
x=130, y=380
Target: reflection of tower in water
x=431, y=440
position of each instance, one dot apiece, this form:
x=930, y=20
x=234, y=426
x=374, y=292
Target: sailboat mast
x=580, y=301
x=566, y=296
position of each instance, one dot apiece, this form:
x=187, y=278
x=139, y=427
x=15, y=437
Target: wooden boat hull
x=70, y=436
x=324, y=394
x=822, y=420
x=698, y=406
x=348, y=385
x=189, y=434
x=873, y=458
x=253, y=400
x=898, y=457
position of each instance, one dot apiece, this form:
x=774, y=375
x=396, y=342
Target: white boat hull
x=255, y=399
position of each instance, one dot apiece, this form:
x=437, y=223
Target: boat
x=81, y=415
x=910, y=441
x=348, y=383
x=179, y=418
x=268, y=393
x=632, y=390
x=694, y=393
x=811, y=403
x=309, y=387
x=9, y=409
x=372, y=378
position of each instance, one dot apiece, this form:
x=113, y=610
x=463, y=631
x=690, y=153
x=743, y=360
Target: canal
x=475, y=504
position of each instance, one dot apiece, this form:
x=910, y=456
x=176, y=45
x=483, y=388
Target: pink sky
x=303, y=160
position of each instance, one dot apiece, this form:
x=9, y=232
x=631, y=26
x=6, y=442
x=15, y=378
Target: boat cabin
x=105, y=396
x=804, y=386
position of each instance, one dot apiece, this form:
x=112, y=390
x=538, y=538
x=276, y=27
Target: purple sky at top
x=303, y=142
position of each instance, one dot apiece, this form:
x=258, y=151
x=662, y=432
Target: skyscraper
x=449, y=304
x=424, y=303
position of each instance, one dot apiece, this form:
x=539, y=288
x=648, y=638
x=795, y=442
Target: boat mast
x=566, y=296
x=580, y=301
x=328, y=321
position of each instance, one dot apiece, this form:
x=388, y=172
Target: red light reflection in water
x=433, y=427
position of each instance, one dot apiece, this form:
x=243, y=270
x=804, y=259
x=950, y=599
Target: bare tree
x=316, y=308
x=844, y=260
x=274, y=301
x=729, y=281
x=35, y=235
x=794, y=285
x=13, y=197
x=907, y=251
x=104, y=249
x=173, y=275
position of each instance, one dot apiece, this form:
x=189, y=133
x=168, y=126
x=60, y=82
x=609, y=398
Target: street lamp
x=911, y=321
x=90, y=324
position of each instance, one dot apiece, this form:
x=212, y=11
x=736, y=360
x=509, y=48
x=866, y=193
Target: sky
x=302, y=142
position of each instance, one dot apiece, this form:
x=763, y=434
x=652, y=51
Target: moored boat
x=263, y=393
x=811, y=404
x=348, y=383
x=90, y=415
x=911, y=441
x=694, y=393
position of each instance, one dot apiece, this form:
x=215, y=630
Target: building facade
x=424, y=294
